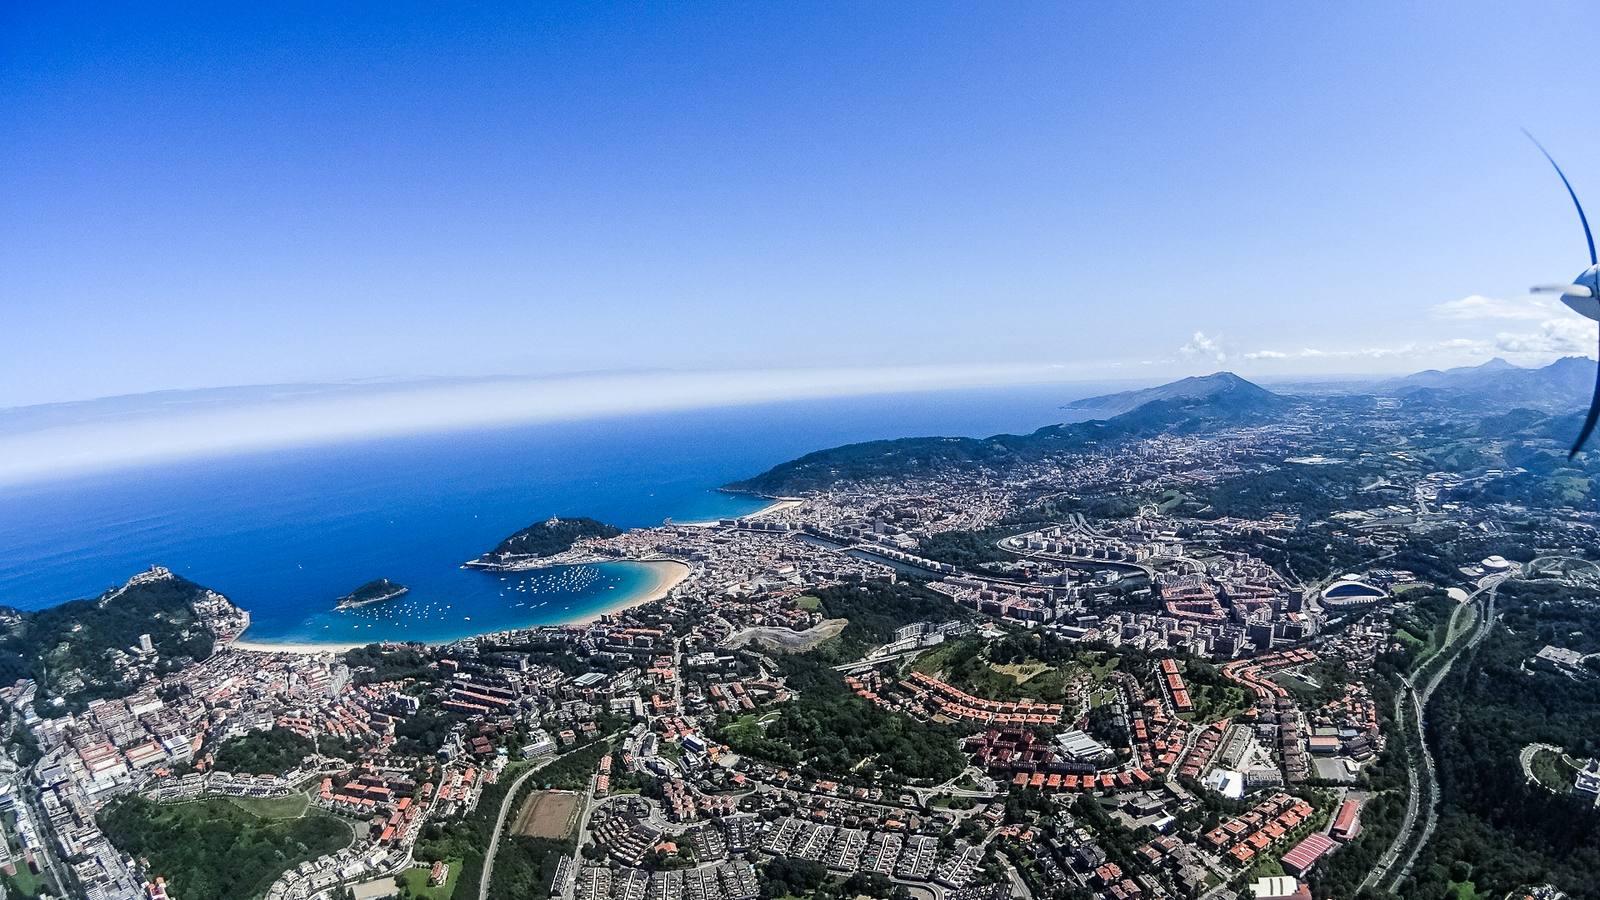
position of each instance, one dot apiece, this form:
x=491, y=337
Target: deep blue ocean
x=285, y=533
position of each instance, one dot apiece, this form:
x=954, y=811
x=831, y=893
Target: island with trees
x=375, y=591
x=542, y=542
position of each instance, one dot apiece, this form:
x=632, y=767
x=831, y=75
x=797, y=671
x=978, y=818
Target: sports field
x=546, y=814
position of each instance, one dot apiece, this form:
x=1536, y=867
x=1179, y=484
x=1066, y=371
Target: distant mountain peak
x=1216, y=380
x=1568, y=362
x=1498, y=364
x=1223, y=389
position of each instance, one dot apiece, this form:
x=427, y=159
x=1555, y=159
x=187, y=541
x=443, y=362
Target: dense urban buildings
x=1190, y=661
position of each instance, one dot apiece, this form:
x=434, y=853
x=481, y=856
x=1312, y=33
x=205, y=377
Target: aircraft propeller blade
x=1566, y=290
x=1589, y=420
x=1587, y=235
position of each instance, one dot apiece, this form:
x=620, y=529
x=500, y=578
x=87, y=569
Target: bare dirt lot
x=546, y=814
x=785, y=640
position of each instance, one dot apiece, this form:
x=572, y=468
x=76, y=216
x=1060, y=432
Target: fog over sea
x=285, y=533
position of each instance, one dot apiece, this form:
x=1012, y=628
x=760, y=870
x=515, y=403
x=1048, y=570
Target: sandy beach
x=775, y=504
x=669, y=574
x=307, y=648
x=778, y=505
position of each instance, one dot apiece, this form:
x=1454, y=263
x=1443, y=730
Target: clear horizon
x=201, y=197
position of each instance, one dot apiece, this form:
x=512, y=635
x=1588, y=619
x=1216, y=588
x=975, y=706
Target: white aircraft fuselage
x=1589, y=306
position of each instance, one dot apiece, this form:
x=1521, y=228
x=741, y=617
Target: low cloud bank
x=47, y=442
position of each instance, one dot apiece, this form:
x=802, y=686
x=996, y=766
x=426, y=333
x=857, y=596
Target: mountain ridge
x=1185, y=406
x=1188, y=405
x=1562, y=385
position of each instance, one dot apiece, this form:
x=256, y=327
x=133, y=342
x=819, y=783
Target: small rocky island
x=372, y=592
x=541, y=542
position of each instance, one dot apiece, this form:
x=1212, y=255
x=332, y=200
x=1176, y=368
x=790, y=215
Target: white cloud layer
x=1557, y=334
x=1347, y=353
x=40, y=442
x=1477, y=307
x=1567, y=336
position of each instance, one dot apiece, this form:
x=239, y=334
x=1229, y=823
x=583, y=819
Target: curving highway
x=1436, y=669
x=499, y=824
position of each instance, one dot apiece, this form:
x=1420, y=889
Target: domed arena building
x=1351, y=593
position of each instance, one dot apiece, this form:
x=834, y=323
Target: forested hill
x=1216, y=401
x=86, y=649
x=547, y=538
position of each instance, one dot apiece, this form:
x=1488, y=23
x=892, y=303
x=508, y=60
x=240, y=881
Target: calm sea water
x=285, y=533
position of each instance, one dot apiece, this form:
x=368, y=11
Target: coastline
x=302, y=648
x=778, y=504
x=774, y=504
x=668, y=574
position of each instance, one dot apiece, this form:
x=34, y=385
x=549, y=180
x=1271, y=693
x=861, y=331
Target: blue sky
x=224, y=194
